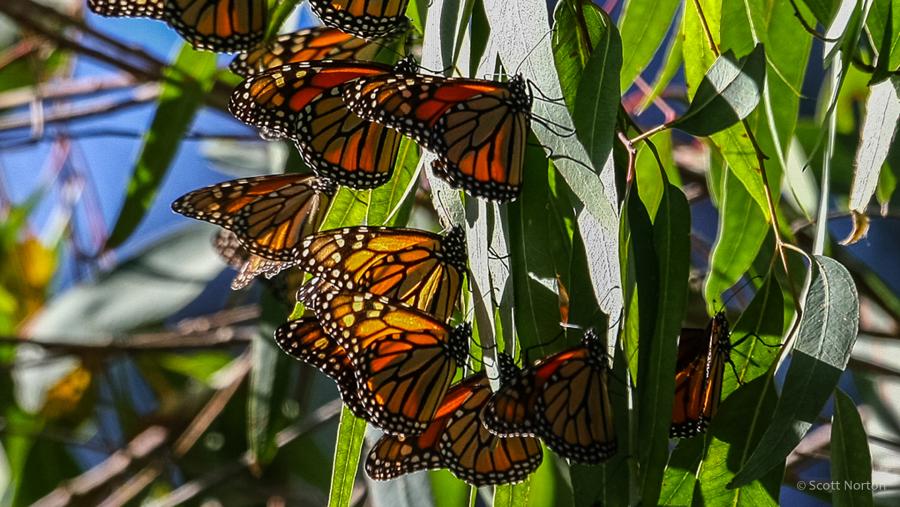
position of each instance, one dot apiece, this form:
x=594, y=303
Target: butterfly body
x=457, y=440
x=700, y=368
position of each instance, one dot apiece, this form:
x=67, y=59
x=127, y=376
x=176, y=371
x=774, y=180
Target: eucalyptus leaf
x=878, y=131
x=826, y=335
x=187, y=82
x=851, y=463
x=728, y=93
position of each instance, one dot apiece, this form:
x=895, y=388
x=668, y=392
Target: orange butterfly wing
x=702, y=354
x=224, y=26
x=477, y=128
x=312, y=44
x=364, y=18
x=269, y=214
x=305, y=340
x=417, y=268
x=456, y=439
x=404, y=359
x=302, y=101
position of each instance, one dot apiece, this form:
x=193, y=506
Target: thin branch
x=190, y=490
x=141, y=447
x=237, y=372
x=30, y=15
x=71, y=88
x=142, y=94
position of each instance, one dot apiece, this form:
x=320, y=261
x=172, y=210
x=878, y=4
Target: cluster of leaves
x=600, y=237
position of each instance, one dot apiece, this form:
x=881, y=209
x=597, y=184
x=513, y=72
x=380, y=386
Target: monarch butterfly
x=281, y=283
x=418, y=268
x=269, y=214
x=304, y=339
x=702, y=354
x=404, y=359
x=217, y=25
x=457, y=440
x=476, y=128
x=318, y=43
x=563, y=399
x=302, y=101
x=363, y=18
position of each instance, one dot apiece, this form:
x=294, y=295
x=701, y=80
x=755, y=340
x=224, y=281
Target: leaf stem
x=761, y=159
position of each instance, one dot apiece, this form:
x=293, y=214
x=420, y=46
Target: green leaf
x=512, y=495
x=729, y=92
x=742, y=229
x=746, y=25
x=540, y=243
x=671, y=240
x=268, y=385
x=579, y=27
x=887, y=184
x=391, y=203
x=670, y=67
x=680, y=480
x=826, y=335
x=823, y=10
x=448, y=490
x=736, y=429
x=350, y=435
x=644, y=25
x=738, y=152
x=597, y=98
x=695, y=50
x=280, y=14
x=186, y=84
x=641, y=281
x=878, y=130
x=883, y=23
x=851, y=463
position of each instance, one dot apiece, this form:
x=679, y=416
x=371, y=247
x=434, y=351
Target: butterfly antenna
x=552, y=126
x=738, y=291
x=528, y=54
x=546, y=98
x=759, y=338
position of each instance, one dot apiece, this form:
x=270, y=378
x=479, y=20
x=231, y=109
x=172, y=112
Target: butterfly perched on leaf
x=364, y=18
x=477, y=128
x=304, y=339
x=457, y=440
x=270, y=215
x=404, y=359
x=217, y=25
x=699, y=370
x=319, y=43
x=564, y=399
x=303, y=102
x=420, y=269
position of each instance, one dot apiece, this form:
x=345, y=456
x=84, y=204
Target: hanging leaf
x=729, y=91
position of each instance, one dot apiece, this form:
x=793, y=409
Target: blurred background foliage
x=132, y=374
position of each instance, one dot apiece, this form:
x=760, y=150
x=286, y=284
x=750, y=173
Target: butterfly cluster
x=380, y=301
